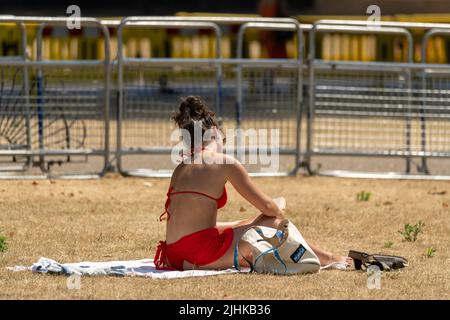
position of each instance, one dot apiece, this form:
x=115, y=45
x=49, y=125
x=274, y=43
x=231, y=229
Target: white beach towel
x=138, y=268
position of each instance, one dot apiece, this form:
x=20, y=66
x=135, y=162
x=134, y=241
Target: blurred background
x=357, y=95
x=149, y=7
x=60, y=43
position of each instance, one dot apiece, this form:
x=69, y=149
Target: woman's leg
x=326, y=257
x=227, y=260
x=233, y=224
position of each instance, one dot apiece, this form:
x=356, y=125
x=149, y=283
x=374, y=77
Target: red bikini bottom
x=199, y=248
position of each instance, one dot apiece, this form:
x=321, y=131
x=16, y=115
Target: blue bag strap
x=274, y=249
x=236, y=255
x=277, y=256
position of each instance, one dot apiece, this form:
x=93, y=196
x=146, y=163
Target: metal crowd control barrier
x=421, y=146
x=52, y=112
x=287, y=118
x=165, y=91
x=435, y=111
x=61, y=109
x=351, y=101
x=11, y=139
x=149, y=90
x=382, y=24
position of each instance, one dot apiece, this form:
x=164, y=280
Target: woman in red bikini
x=194, y=238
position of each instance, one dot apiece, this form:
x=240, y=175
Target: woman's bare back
x=193, y=212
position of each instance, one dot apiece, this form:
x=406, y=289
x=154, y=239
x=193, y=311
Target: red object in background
x=275, y=41
x=270, y=8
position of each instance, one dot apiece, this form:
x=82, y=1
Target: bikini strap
x=166, y=206
x=219, y=201
x=160, y=255
x=160, y=259
x=161, y=217
x=195, y=192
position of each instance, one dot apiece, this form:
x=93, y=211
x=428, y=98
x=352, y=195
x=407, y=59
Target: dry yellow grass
x=116, y=218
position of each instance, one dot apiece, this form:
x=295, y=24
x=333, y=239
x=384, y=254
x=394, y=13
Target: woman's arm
x=239, y=178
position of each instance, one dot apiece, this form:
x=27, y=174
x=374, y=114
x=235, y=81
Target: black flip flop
x=363, y=260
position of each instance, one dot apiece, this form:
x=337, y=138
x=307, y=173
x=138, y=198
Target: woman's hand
x=281, y=204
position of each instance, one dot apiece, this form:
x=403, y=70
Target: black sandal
x=363, y=260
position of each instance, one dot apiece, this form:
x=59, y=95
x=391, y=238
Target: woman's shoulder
x=229, y=167
x=212, y=160
x=222, y=159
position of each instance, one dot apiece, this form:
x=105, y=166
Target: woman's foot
x=335, y=262
x=329, y=260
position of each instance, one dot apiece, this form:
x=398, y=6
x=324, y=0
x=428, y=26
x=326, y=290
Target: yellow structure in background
x=340, y=46
x=148, y=43
x=349, y=47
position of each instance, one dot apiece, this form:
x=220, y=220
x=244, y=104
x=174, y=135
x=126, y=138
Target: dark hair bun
x=193, y=108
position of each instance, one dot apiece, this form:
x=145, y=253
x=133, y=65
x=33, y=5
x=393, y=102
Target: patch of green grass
x=410, y=232
x=430, y=252
x=363, y=196
x=3, y=244
x=388, y=244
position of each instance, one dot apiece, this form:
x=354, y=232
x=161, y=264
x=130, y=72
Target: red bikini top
x=221, y=201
